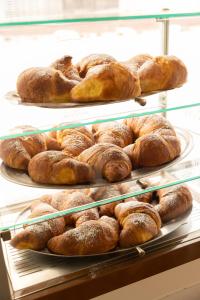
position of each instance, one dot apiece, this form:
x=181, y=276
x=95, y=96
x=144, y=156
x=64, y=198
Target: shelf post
x=5, y=292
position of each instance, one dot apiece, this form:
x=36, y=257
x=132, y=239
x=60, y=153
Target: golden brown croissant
x=75, y=140
x=109, y=161
x=156, y=141
x=65, y=200
x=105, y=192
x=36, y=236
x=130, y=187
x=55, y=167
x=162, y=73
x=173, y=202
x=44, y=85
x=140, y=223
x=137, y=61
x=17, y=152
x=64, y=64
x=91, y=237
x=113, y=133
x=105, y=82
x=93, y=60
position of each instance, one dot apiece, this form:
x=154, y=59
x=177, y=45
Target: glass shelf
x=80, y=14
x=187, y=171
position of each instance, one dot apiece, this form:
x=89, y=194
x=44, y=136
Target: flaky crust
x=156, y=141
x=140, y=222
x=113, y=133
x=55, y=167
x=173, y=202
x=91, y=237
x=111, y=81
x=44, y=85
x=109, y=161
x=64, y=64
x=17, y=152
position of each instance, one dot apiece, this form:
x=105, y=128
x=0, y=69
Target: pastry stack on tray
x=82, y=155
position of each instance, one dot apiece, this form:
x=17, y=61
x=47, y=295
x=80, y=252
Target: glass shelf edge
x=98, y=121
x=94, y=204
x=101, y=19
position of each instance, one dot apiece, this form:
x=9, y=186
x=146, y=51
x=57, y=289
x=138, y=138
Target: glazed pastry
x=156, y=142
x=113, y=133
x=105, y=192
x=173, y=202
x=106, y=82
x=140, y=223
x=109, y=161
x=91, y=237
x=36, y=236
x=17, y=152
x=55, y=167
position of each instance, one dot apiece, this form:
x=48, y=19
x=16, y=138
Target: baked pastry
x=137, y=61
x=130, y=187
x=36, y=236
x=93, y=60
x=109, y=161
x=55, y=167
x=91, y=237
x=105, y=192
x=64, y=64
x=162, y=73
x=44, y=85
x=173, y=202
x=156, y=141
x=113, y=133
x=17, y=152
x=106, y=82
x=140, y=223
x=74, y=140
x=66, y=200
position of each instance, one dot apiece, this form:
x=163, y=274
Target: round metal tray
x=168, y=228
x=21, y=177
x=14, y=98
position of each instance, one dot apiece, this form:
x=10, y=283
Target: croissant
x=137, y=61
x=91, y=237
x=36, y=236
x=140, y=223
x=65, y=200
x=105, y=82
x=105, y=192
x=44, y=85
x=109, y=161
x=17, y=152
x=156, y=142
x=173, y=202
x=113, y=133
x=161, y=73
x=75, y=140
x=131, y=187
x=55, y=167
x=93, y=60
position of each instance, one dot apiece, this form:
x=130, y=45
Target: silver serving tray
x=21, y=177
x=14, y=98
x=168, y=228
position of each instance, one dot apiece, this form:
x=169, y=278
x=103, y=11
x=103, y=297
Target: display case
x=29, y=274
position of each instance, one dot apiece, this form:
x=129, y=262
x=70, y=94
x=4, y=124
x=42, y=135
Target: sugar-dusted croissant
x=140, y=223
x=173, y=202
x=113, y=133
x=65, y=200
x=105, y=192
x=91, y=237
x=137, y=61
x=44, y=85
x=93, y=60
x=36, y=236
x=109, y=161
x=110, y=81
x=156, y=141
x=17, y=152
x=130, y=187
x=161, y=73
x=64, y=64
x=55, y=167
x=74, y=140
